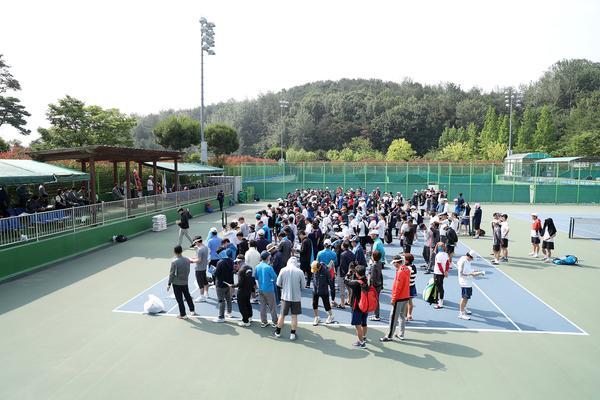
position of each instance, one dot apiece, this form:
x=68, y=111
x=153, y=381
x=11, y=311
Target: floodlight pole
x=511, y=101
x=207, y=44
x=282, y=104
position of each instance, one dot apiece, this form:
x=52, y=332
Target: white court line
x=177, y=304
x=137, y=295
x=385, y=327
x=499, y=309
x=528, y=291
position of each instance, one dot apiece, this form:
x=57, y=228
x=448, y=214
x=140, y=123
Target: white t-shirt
x=440, y=258
x=464, y=267
x=504, y=229
x=454, y=224
x=150, y=185
x=252, y=257
x=381, y=228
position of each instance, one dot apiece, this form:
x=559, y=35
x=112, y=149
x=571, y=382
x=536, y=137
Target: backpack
x=368, y=299
x=451, y=236
x=566, y=260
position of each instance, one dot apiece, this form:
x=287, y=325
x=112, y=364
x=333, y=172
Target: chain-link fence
x=552, y=183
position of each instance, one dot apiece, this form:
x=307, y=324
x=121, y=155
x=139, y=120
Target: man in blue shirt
x=266, y=278
x=213, y=243
x=377, y=244
x=359, y=252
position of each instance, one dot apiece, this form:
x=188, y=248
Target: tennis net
x=584, y=228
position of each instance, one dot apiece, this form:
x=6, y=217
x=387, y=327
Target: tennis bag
x=429, y=293
x=368, y=299
x=154, y=305
x=565, y=260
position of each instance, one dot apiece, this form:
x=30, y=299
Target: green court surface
x=59, y=338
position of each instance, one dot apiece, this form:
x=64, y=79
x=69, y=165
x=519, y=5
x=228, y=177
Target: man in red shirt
x=536, y=229
x=400, y=296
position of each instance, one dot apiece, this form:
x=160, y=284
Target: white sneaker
x=316, y=321
x=464, y=316
x=229, y=316
x=545, y=258
x=292, y=336
x=329, y=319
x=532, y=253
x=536, y=255
x=495, y=262
x=219, y=320
x=198, y=299
x=468, y=312
x=244, y=324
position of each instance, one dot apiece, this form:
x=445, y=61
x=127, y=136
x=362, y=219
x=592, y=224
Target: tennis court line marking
x=139, y=294
x=379, y=326
x=582, y=331
x=496, y=305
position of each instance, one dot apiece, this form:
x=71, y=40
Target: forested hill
x=328, y=114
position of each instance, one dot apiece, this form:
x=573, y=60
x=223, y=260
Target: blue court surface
x=499, y=304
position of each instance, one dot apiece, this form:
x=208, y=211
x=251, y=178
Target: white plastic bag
x=154, y=305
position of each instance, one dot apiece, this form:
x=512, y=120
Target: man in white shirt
x=291, y=282
x=252, y=256
x=150, y=185
x=381, y=226
x=440, y=271
x=466, y=272
x=504, y=230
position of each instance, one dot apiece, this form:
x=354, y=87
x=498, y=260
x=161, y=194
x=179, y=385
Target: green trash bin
x=242, y=197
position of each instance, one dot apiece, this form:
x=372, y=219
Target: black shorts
x=201, y=278
x=449, y=248
x=496, y=247
x=548, y=245
x=535, y=240
x=504, y=243
x=315, y=301
x=466, y=292
x=294, y=306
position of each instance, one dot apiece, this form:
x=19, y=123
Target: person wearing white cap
x=150, y=186
x=536, y=229
x=465, y=279
x=377, y=244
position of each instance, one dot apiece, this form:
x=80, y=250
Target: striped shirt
x=413, y=274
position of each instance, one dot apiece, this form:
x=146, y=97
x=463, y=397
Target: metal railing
x=27, y=227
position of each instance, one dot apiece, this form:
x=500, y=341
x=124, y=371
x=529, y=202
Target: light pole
x=208, y=42
x=282, y=104
x=512, y=99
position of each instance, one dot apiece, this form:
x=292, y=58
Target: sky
x=144, y=56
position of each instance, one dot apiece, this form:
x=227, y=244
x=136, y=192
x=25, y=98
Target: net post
x=556, y=184
x=406, y=190
x=578, y=183
x=470, y=181
x=571, y=223
x=492, y=183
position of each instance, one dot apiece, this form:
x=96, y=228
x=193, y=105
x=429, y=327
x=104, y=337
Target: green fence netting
x=477, y=182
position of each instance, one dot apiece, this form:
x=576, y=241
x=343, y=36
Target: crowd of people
x=332, y=242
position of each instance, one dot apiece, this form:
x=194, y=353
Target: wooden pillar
x=92, y=181
x=115, y=173
x=83, y=169
x=83, y=166
x=127, y=181
x=176, y=176
x=154, y=176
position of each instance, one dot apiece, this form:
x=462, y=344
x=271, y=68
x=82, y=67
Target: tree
x=293, y=155
x=455, y=152
x=221, y=139
x=177, y=132
x=11, y=111
x=584, y=144
x=4, y=147
x=544, y=135
x=73, y=124
x=489, y=133
x=526, y=131
x=274, y=153
x=472, y=138
x=400, y=150
x=503, y=129
x=494, y=151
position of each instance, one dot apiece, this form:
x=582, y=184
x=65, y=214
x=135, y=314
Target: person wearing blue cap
x=266, y=277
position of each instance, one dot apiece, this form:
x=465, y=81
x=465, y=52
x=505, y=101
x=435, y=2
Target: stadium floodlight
x=207, y=43
x=282, y=104
x=512, y=100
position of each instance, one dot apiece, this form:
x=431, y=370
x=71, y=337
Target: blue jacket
x=326, y=256
x=266, y=277
x=213, y=244
x=359, y=253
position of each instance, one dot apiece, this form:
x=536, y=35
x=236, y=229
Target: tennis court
x=532, y=335
x=499, y=303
